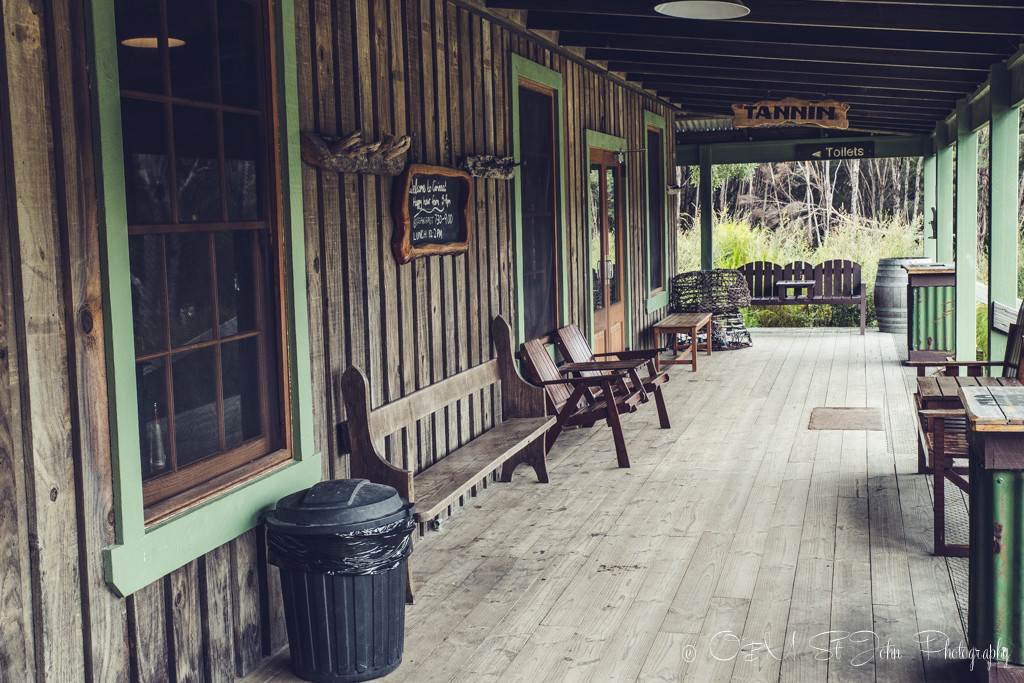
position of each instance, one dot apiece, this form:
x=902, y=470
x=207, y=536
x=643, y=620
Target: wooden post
x=944, y=194
x=707, y=260
x=929, y=208
x=1002, y=263
x=966, y=233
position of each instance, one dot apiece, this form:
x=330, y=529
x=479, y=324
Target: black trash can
x=341, y=547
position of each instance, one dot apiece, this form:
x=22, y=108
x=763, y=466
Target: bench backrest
x=761, y=277
x=798, y=270
x=1014, y=359
x=368, y=426
x=408, y=410
x=837, y=277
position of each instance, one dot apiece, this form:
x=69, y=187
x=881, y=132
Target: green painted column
x=1003, y=170
x=966, y=234
x=707, y=257
x=944, y=194
x=930, y=220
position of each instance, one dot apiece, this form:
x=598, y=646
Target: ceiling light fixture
x=704, y=9
x=151, y=42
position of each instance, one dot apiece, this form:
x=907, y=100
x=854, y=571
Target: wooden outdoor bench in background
x=517, y=436
x=830, y=282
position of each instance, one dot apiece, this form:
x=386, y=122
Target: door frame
x=596, y=140
x=523, y=69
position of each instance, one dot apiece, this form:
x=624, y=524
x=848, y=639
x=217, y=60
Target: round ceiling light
x=704, y=9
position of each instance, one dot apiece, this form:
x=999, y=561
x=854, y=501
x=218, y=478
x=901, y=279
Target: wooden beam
x=944, y=193
x=754, y=49
x=784, y=150
x=834, y=35
x=707, y=256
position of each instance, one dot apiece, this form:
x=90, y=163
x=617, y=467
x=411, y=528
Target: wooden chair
x=567, y=397
x=576, y=349
x=944, y=436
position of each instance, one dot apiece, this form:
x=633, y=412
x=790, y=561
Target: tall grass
x=737, y=242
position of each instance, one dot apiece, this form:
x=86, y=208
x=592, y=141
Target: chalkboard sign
x=430, y=207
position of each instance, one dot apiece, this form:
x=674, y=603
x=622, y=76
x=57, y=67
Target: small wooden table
x=796, y=285
x=995, y=421
x=683, y=323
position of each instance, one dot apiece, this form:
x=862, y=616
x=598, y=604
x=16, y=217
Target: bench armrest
x=943, y=413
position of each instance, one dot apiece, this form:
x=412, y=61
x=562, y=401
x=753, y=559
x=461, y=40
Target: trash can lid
x=338, y=505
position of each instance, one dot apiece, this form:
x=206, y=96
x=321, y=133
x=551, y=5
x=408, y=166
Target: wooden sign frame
x=401, y=241
x=791, y=112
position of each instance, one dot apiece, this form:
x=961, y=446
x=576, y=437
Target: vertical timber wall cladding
x=435, y=70
x=440, y=73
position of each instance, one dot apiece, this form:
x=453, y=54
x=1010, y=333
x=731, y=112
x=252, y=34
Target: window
x=537, y=141
x=538, y=209
x=208, y=354
x=657, y=212
x=200, y=242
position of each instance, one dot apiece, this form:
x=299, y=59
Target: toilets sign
x=834, y=151
x=792, y=112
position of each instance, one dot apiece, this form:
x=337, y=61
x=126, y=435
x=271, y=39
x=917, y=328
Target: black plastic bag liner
x=366, y=552
x=344, y=526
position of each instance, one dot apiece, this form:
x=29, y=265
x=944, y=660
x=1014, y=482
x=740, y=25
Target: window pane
x=154, y=436
x=146, y=257
x=244, y=166
x=196, y=425
x=235, y=287
x=238, y=53
x=538, y=209
x=612, y=263
x=596, y=260
x=139, y=59
x=189, y=290
x=147, y=170
x=240, y=367
x=193, y=75
x=655, y=210
x=198, y=168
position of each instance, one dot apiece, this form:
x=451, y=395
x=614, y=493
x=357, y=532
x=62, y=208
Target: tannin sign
x=791, y=111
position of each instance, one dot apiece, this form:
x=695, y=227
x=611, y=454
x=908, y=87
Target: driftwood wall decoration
x=350, y=154
x=490, y=166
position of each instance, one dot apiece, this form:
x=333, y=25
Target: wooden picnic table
x=781, y=286
x=683, y=323
x=943, y=391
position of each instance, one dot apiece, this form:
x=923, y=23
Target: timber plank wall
x=432, y=69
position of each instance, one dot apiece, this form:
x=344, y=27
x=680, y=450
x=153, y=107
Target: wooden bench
x=835, y=282
x=517, y=437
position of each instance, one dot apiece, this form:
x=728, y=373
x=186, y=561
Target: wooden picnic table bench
x=831, y=282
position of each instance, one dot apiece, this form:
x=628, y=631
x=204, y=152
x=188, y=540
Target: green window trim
x=139, y=555
x=524, y=69
x=657, y=300
x=596, y=140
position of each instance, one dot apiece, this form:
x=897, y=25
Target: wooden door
x=606, y=253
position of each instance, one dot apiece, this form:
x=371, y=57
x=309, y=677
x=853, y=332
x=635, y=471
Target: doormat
x=859, y=419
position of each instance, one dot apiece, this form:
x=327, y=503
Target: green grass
x=737, y=242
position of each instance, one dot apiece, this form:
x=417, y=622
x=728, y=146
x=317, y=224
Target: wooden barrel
x=891, y=293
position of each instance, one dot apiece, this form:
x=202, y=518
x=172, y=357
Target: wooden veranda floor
x=740, y=545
